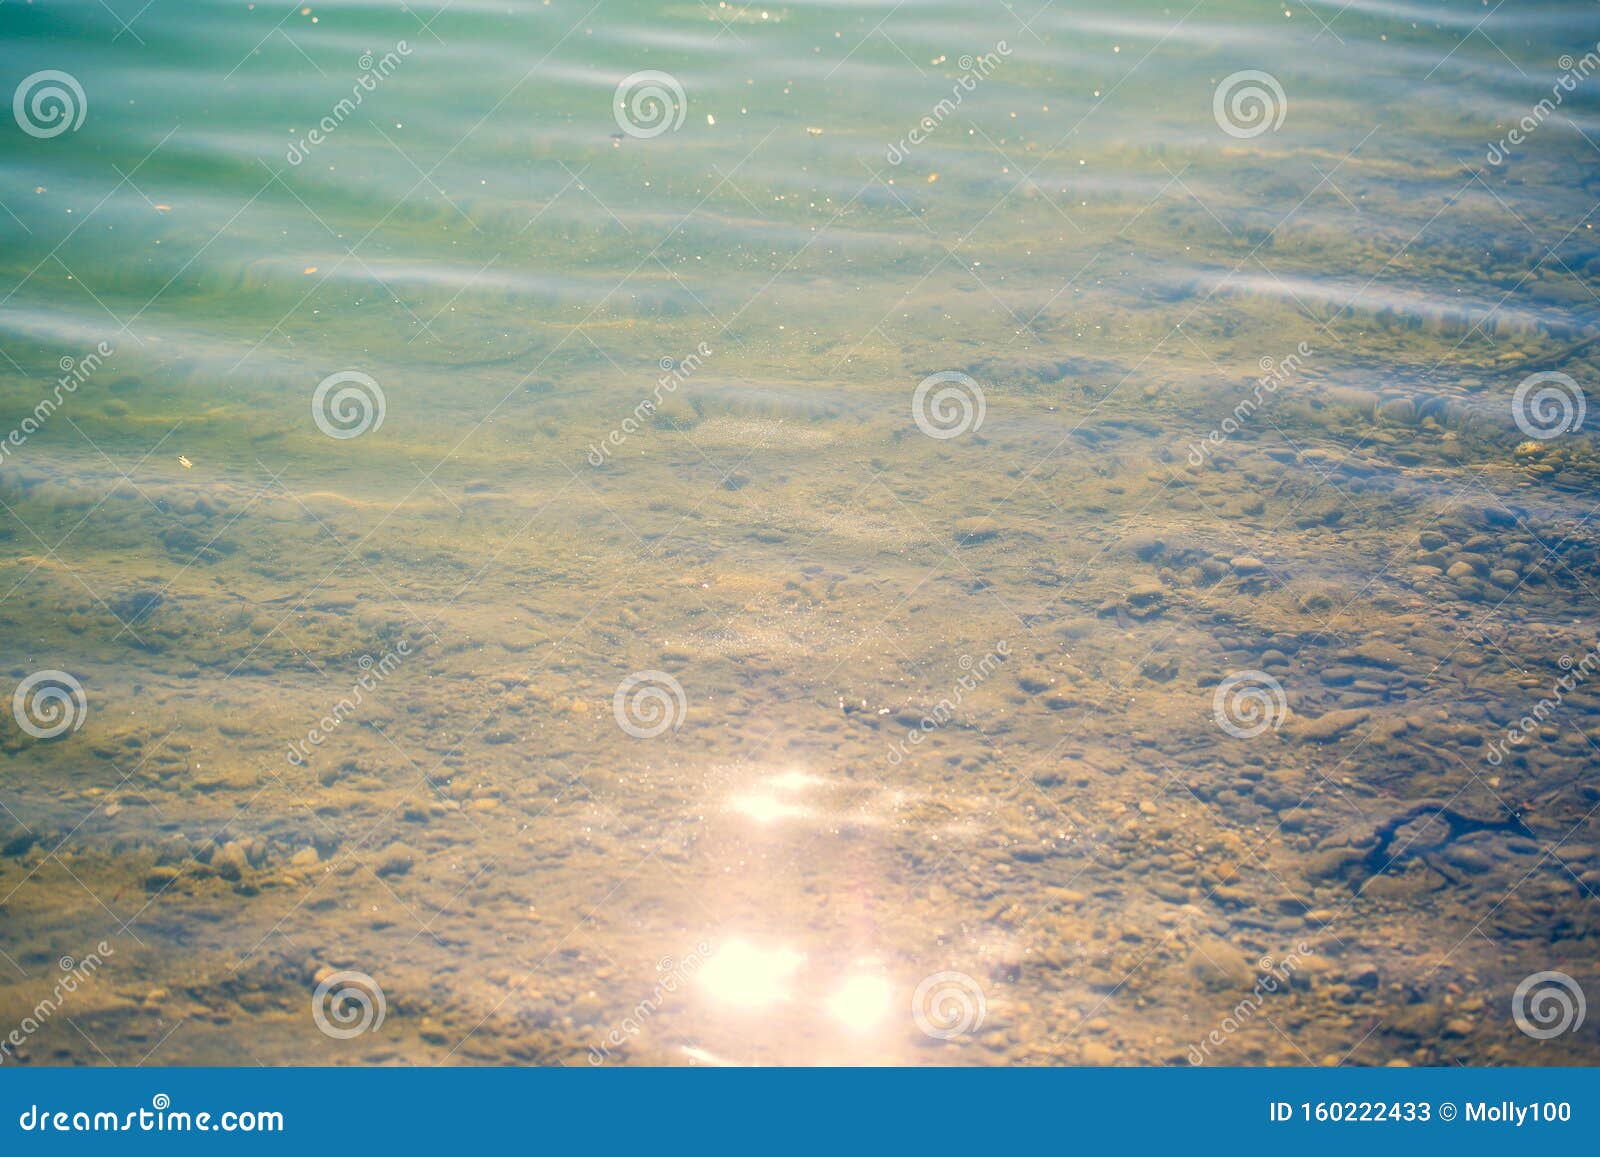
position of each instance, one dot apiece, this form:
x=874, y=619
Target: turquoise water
x=837, y=533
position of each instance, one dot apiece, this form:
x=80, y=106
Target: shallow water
x=620, y=660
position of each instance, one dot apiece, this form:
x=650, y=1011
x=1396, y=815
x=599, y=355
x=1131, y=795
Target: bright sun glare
x=744, y=975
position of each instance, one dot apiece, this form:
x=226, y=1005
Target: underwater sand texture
x=785, y=719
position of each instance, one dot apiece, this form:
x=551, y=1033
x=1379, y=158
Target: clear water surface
x=492, y=554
